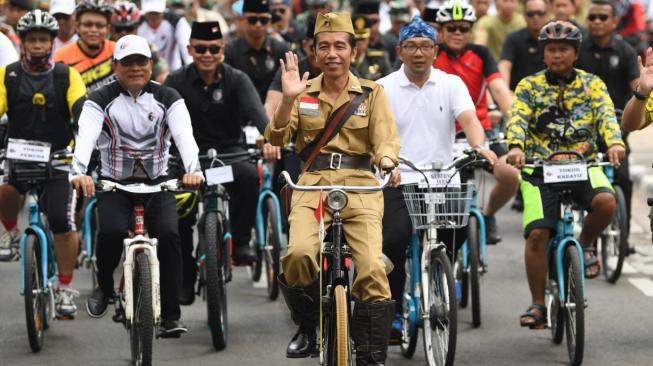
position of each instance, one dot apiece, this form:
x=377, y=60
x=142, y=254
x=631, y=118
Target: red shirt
x=476, y=68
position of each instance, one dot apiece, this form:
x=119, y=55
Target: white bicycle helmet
x=37, y=20
x=455, y=10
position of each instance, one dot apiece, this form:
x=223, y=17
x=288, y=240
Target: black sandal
x=591, y=262
x=531, y=319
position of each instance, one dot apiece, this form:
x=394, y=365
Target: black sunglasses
x=201, y=49
x=460, y=28
x=131, y=61
x=536, y=13
x=593, y=17
x=263, y=19
x=123, y=28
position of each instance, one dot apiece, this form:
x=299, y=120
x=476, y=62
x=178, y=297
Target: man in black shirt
x=221, y=100
x=254, y=53
x=521, y=55
x=613, y=60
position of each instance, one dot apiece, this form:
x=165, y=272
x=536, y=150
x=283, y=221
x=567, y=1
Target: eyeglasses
x=535, y=13
x=131, y=61
x=201, y=49
x=123, y=28
x=96, y=25
x=460, y=28
x=593, y=17
x=263, y=19
x=279, y=10
x=412, y=48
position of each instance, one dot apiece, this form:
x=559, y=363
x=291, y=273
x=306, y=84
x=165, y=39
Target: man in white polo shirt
x=426, y=103
x=168, y=32
x=62, y=11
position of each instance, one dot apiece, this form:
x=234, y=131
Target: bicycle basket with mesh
x=438, y=207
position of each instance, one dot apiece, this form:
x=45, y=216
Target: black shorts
x=57, y=202
x=542, y=205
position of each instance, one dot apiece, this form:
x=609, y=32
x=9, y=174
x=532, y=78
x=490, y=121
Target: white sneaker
x=9, y=245
x=64, y=298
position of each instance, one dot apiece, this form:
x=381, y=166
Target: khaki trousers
x=362, y=229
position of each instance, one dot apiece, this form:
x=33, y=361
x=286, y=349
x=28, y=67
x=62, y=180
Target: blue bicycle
x=38, y=265
x=429, y=299
x=88, y=238
x=268, y=232
x=565, y=288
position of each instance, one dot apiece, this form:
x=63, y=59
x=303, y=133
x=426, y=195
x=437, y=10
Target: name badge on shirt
x=309, y=106
x=361, y=110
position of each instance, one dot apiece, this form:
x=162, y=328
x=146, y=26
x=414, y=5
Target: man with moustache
x=221, y=100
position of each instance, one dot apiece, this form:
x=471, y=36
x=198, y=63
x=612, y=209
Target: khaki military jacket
x=370, y=131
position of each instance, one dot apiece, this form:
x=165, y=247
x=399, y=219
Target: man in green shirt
x=492, y=30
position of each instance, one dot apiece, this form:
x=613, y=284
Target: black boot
x=304, y=311
x=370, y=331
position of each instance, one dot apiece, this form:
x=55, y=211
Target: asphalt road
x=619, y=326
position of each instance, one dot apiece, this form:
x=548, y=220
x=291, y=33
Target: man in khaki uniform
x=368, y=136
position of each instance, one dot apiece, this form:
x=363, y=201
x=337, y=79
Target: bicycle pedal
x=64, y=317
x=118, y=317
x=326, y=301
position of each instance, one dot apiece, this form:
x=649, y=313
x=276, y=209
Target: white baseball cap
x=153, y=6
x=131, y=45
x=62, y=7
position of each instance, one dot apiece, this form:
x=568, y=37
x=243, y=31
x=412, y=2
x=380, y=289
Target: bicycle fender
x=482, y=239
x=560, y=256
x=43, y=241
x=88, y=240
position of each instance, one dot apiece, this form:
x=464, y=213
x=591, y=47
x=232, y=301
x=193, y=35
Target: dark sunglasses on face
x=131, y=61
x=123, y=28
x=253, y=19
x=96, y=25
x=593, y=17
x=460, y=28
x=536, y=13
x=201, y=49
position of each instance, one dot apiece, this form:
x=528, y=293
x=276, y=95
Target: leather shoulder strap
x=332, y=127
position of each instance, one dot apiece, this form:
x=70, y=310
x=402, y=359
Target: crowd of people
x=129, y=79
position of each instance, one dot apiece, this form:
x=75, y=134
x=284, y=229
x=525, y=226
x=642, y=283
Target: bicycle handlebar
x=137, y=188
x=386, y=180
x=599, y=161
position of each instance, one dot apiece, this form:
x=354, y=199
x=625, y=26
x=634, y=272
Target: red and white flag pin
x=309, y=106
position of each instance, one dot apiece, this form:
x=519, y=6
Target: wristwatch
x=638, y=95
x=492, y=107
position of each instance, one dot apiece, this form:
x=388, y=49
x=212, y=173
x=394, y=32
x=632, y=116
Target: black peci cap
x=256, y=6
x=367, y=7
x=430, y=15
x=206, y=31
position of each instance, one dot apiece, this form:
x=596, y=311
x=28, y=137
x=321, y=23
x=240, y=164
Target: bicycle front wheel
x=614, y=240
x=272, y=248
x=141, y=331
x=216, y=291
x=439, y=305
x=474, y=273
x=574, y=306
x=34, y=293
x=342, y=326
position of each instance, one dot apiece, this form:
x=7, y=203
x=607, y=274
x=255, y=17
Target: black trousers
x=115, y=217
x=397, y=229
x=243, y=194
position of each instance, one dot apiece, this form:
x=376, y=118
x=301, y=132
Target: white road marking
x=645, y=285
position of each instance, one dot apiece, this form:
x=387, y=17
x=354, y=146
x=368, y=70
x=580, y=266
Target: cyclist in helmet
x=477, y=68
x=91, y=54
x=561, y=108
x=125, y=20
x=43, y=101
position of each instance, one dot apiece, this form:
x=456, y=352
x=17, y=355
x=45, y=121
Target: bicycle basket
x=441, y=207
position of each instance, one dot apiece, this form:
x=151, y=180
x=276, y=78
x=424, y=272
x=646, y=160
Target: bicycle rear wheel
x=439, y=304
x=614, y=240
x=141, y=331
x=474, y=274
x=272, y=248
x=35, y=298
x=216, y=291
x=409, y=329
x=574, y=306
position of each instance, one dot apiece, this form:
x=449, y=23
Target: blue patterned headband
x=417, y=28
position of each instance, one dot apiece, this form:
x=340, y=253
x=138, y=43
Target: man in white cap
x=131, y=121
x=167, y=31
x=62, y=11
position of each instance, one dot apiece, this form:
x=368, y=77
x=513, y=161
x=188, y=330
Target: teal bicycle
x=38, y=266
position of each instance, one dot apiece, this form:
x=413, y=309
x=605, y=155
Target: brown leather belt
x=338, y=161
